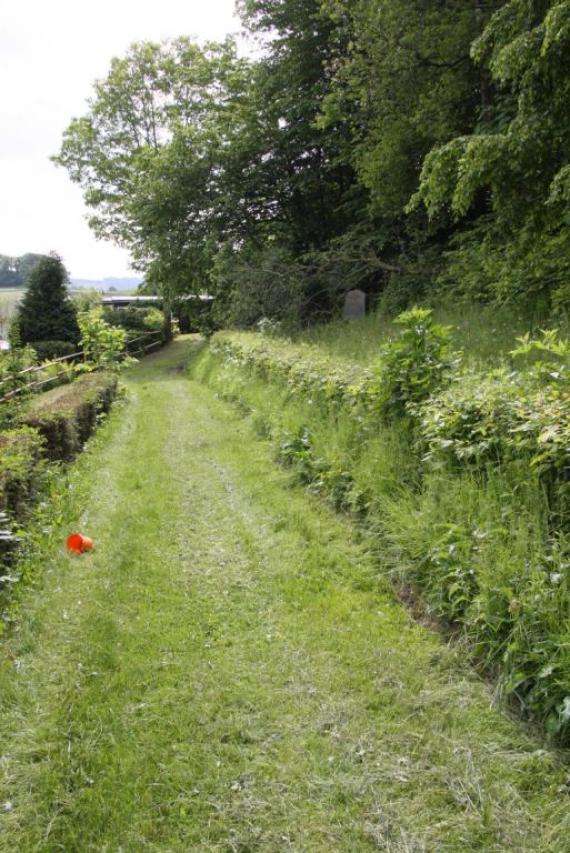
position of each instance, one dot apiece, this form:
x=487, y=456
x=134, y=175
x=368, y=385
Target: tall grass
x=474, y=544
x=486, y=334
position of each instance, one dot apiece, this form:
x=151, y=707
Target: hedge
x=20, y=466
x=467, y=489
x=66, y=416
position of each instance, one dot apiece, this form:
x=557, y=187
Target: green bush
x=414, y=365
x=66, y=416
x=46, y=350
x=131, y=318
x=20, y=468
x=103, y=346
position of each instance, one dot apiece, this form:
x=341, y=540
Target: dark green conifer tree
x=46, y=312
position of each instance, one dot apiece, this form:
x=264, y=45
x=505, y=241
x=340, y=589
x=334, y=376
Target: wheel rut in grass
x=227, y=670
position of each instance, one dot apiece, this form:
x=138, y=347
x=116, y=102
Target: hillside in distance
x=106, y=283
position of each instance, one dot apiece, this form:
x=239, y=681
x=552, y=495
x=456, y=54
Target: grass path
x=226, y=672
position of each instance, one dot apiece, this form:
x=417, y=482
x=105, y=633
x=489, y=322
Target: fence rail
x=26, y=386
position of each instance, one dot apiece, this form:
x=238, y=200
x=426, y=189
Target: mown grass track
x=227, y=672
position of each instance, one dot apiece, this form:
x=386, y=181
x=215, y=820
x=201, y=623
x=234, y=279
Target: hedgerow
x=464, y=476
x=20, y=468
x=66, y=416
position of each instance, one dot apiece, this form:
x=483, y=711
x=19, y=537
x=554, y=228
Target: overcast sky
x=51, y=51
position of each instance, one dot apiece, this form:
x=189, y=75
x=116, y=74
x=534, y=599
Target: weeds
x=463, y=476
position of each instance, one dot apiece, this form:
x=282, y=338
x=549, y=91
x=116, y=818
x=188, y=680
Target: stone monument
x=354, y=305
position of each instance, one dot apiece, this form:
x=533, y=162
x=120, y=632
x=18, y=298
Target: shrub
x=46, y=350
x=66, y=416
x=472, y=421
x=103, y=346
x=21, y=471
x=11, y=364
x=131, y=318
x=415, y=364
x=20, y=468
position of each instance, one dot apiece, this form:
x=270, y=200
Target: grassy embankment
x=227, y=670
x=476, y=541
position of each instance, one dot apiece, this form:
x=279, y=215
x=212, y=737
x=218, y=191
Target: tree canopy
x=15, y=272
x=405, y=146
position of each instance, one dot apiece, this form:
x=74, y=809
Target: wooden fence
x=75, y=356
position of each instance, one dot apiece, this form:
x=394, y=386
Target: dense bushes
x=67, y=415
x=47, y=350
x=20, y=468
x=464, y=476
x=135, y=319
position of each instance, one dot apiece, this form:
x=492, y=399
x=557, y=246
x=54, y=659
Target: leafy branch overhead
x=424, y=147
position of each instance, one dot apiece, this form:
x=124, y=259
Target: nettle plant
x=414, y=365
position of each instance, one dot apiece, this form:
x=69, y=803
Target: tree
x=517, y=158
x=14, y=272
x=46, y=312
x=148, y=154
x=9, y=275
x=26, y=264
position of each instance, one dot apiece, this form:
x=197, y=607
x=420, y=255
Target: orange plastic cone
x=77, y=543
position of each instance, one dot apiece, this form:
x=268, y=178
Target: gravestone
x=354, y=305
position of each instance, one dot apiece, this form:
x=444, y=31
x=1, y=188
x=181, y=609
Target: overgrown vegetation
x=402, y=147
x=462, y=474
x=103, y=345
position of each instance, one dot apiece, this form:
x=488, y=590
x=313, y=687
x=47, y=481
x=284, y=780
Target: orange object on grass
x=77, y=543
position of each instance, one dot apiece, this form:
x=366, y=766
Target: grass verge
x=475, y=544
x=226, y=672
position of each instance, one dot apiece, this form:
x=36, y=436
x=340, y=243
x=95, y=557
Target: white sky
x=51, y=51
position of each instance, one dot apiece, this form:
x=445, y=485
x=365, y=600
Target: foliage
x=15, y=272
x=402, y=146
x=20, y=468
x=414, y=365
x=134, y=319
x=259, y=283
x=66, y=416
x=406, y=83
x=46, y=312
x=470, y=507
x=518, y=154
x=46, y=350
x=149, y=154
x=103, y=346
x=87, y=299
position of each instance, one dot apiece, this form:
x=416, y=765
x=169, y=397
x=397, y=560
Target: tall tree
x=406, y=83
x=147, y=153
x=46, y=312
x=294, y=160
x=518, y=156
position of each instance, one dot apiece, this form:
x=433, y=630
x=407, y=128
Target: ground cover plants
x=462, y=474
